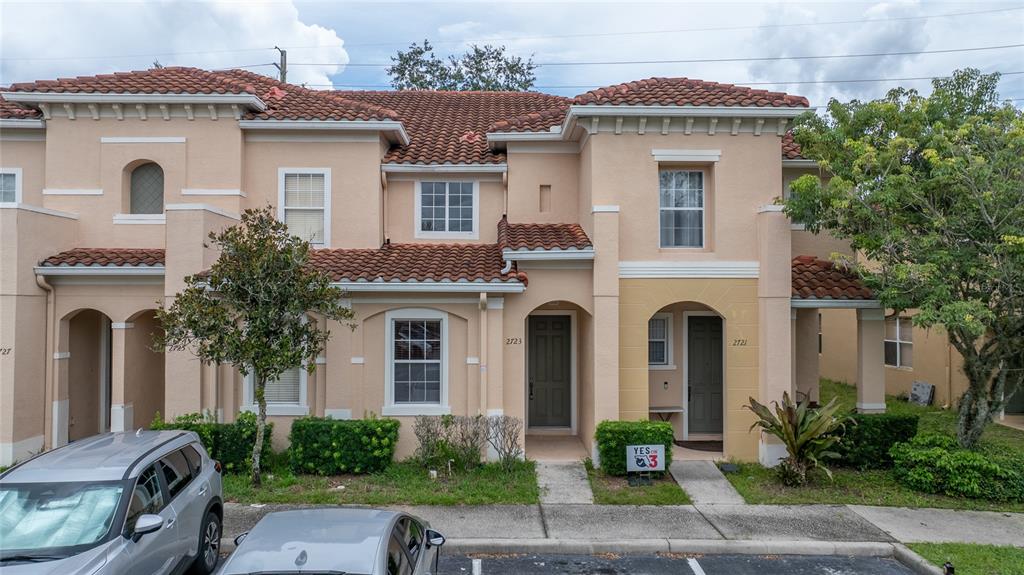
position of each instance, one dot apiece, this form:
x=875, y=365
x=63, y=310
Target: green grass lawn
x=611, y=490
x=878, y=487
x=973, y=559
x=403, y=483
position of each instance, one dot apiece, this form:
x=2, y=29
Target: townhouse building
x=617, y=255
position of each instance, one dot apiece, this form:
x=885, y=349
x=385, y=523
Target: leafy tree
x=931, y=191
x=481, y=68
x=249, y=309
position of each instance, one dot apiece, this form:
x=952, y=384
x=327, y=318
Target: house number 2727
x=513, y=340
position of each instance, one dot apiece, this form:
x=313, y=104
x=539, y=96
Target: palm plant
x=808, y=434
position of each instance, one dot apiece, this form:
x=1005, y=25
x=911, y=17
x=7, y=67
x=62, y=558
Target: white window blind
x=657, y=341
x=416, y=366
x=682, y=208
x=304, y=200
x=285, y=389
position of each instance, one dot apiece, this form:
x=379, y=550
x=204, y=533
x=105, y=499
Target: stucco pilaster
x=870, y=360
x=121, y=409
x=805, y=352
x=774, y=289
x=606, y=377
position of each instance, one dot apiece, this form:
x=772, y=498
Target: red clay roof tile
x=542, y=236
x=815, y=278
x=416, y=262
x=15, y=111
x=790, y=149
x=687, y=92
x=106, y=257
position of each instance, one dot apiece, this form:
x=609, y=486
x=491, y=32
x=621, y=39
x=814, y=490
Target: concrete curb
x=913, y=561
x=686, y=546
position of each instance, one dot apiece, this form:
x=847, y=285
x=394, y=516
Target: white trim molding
x=870, y=406
x=428, y=286
x=369, y=125
x=61, y=355
x=390, y=407
x=121, y=325
x=142, y=140
x=338, y=413
x=835, y=303
x=15, y=451
x=688, y=269
x=552, y=254
x=140, y=219
x=211, y=192
x=591, y=110
x=444, y=168
x=801, y=163
x=418, y=231
x=202, y=207
x=127, y=98
x=472, y=361
x=16, y=172
x=72, y=192
x=37, y=209
x=100, y=270
x=769, y=208
x=702, y=156
x=358, y=360
x=604, y=209
x=22, y=123
x=122, y=417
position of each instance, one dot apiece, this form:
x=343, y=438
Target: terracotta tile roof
x=284, y=101
x=15, y=111
x=815, y=278
x=542, y=236
x=790, y=149
x=416, y=262
x=539, y=121
x=687, y=92
x=106, y=257
x=451, y=127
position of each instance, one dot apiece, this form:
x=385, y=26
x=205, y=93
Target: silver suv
x=147, y=502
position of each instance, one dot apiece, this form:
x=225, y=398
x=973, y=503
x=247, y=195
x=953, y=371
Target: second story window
x=10, y=185
x=147, y=189
x=305, y=203
x=681, y=208
x=447, y=210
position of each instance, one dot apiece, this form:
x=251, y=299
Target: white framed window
x=899, y=342
x=304, y=203
x=285, y=395
x=416, y=357
x=10, y=186
x=659, y=341
x=681, y=208
x=448, y=209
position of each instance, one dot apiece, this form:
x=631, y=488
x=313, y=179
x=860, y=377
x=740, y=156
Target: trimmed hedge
x=327, y=446
x=937, y=464
x=229, y=443
x=866, y=444
x=613, y=437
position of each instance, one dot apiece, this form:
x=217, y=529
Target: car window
x=398, y=559
x=194, y=459
x=176, y=472
x=413, y=537
x=146, y=498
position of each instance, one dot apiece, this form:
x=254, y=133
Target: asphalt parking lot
x=610, y=564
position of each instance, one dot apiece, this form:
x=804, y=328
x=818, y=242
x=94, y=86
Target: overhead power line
x=714, y=60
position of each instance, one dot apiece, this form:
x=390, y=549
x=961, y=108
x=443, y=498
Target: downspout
x=384, y=206
x=48, y=350
x=504, y=189
x=484, y=336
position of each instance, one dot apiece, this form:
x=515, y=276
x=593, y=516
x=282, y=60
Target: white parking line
x=695, y=567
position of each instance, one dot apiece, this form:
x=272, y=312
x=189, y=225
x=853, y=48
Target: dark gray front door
x=550, y=371
x=704, y=373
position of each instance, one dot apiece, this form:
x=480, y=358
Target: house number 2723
x=739, y=342
x=513, y=340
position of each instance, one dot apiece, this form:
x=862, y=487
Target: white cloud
x=106, y=37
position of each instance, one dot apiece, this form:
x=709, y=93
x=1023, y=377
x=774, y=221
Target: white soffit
x=123, y=98
x=665, y=155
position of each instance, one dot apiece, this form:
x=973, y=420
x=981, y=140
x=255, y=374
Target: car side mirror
x=240, y=538
x=434, y=539
x=147, y=523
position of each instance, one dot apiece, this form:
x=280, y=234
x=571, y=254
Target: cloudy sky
x=579, y=44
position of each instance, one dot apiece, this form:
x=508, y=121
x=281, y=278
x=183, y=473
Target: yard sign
x=645, y=458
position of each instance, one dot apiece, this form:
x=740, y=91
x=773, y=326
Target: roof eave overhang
x=250, y=100
x=445, y=168
x=800, y=163
x=393, y=127
x=835, y=303
x=547, y=255
x=93, y=271
x=22, y=123
x=421, y=287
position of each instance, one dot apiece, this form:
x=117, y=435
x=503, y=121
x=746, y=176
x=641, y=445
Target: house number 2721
x=513, y=340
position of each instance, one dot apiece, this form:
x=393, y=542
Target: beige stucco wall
x=26, y=149
x=84, y=381
x=736, y=301
x=528, y=171
x=402, y=213
x=144, y=369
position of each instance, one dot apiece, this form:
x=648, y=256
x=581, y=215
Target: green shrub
x=229, y=443
x=866, y=444
x=456, y=438
x=936, y=464
x=613, y=437
x=327, y=446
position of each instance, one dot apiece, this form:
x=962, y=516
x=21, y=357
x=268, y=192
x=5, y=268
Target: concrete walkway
x=563, y=482
x=704, y=483
x=946, y=525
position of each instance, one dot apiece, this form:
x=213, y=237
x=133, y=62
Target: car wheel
x=209, y=546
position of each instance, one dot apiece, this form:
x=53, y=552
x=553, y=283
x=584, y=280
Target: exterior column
x=805, y=353
x=121, y=409
x=775, y=330
x=607, y=393
x=60, y=410
x=495, y=357
x=870, y=360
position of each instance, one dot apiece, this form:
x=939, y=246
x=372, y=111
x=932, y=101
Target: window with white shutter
x=305, y=199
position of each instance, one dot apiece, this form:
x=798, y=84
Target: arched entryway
x=686, y=373
x=88, y=393
x=141, y=393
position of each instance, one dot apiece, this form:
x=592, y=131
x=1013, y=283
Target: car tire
x=209, y=546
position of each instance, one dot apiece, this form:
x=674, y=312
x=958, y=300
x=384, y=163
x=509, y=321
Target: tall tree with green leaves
x=931, y=191
x=250, y=309
x=481, y=68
